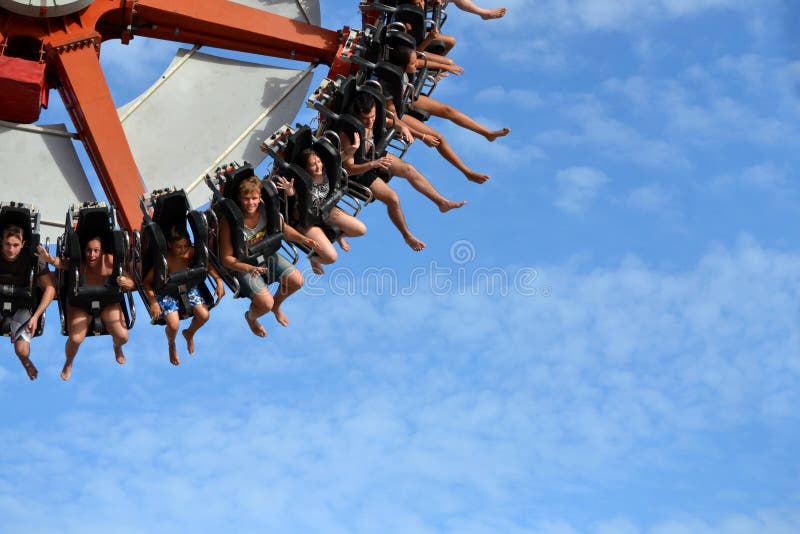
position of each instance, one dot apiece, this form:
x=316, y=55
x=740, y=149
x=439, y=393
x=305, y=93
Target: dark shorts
x=370, y=176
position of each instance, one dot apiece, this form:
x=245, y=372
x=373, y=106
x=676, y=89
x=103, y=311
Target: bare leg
x=445, y=150
x=326, y=253
x=288, y=285
x=349, y=225
x=171, y=330
x=23, y=350
x=260, y=304
x=388, y=196
x=485, y=14
x=437, y=108
x=418, y=181
x=114, y=321
x=200, y=317
x=77, y=328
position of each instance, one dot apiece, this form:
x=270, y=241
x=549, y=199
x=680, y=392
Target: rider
x=180, y=254
x=254, y=279
x=15, y=267
x=96, y=269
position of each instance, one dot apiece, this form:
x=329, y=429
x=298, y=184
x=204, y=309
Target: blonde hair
x=12, y=230
x=249, y=185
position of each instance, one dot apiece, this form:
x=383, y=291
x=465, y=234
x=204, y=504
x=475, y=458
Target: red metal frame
x=72, y=45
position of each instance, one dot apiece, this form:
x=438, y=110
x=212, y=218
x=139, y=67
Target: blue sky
x=604, y=340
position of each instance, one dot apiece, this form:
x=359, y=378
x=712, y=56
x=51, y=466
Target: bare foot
x=494, y=13
x=344, y=244
x=448, y=205
x=33, y=373
x=491, y=136
x=317, y=267
x=257, y=328
x=189, y=341
x=280, y=316
x=66, y=372
x=414, y=243
x=476, y=177
x=119, y=355
x=173, y=354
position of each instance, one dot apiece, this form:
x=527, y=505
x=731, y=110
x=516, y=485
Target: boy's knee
x=121, y=338
x=201, y=313
x=294, y=280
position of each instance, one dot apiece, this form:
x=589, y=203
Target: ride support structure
x=58, y=46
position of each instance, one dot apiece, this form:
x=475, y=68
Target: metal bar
x=38, y=129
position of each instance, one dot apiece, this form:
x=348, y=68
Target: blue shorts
x=170, y=304
x=277, y=268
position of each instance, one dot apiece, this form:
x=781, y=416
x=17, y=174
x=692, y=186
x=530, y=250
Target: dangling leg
x=326, y=253
x=77, y=326
x=200, y=317
x=114, y=320
x=171, y=330
x=349, y=225
x=388, y=196
x=23, y=349
x=290, y=281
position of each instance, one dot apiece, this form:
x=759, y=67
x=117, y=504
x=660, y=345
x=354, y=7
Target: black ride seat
x=86, y=221
x=225, y=188
x=13, y=296
x=171, y=209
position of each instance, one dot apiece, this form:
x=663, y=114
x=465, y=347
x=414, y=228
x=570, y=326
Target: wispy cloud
x=578, y=187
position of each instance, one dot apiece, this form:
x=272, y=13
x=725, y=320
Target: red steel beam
x=88, y=100
x=223, y=24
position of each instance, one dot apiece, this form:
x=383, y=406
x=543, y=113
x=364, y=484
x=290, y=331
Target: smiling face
x=92, y=252
x=314, y=165
x=179, y=247
x=249, y=202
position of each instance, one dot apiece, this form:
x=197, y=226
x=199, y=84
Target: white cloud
x=621, y=376
x=652, y=197
x=578, y=187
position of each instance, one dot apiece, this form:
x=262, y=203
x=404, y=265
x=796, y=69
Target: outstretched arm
x=44, y=255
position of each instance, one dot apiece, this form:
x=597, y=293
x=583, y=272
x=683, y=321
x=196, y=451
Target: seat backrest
x=228, y=207
x=415, y=18
x=17, y=292
x=393, y=83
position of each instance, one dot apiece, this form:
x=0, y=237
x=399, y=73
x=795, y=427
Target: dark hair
x=306, y=154
x=363, y=103
x=176, y=233
x=14, y=231
x=103, y=247
x=400, y=55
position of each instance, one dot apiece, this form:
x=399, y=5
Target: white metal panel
x=207, y=110
x=41, y=167
x=303, y=10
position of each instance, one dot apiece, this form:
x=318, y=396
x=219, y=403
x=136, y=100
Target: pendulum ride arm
x=223, y=24
x=88, y=100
